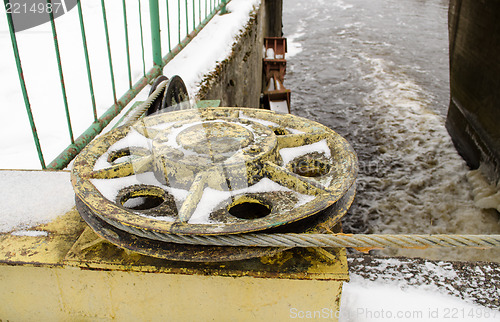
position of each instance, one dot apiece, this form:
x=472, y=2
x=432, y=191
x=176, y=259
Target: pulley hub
x=229, y=146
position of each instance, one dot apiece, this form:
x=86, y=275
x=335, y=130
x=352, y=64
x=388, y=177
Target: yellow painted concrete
x=69, y=294
x=72, y=275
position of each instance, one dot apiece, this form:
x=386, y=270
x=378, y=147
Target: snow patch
x=365, y=300
x=444, y=272
x=288, y=154
x=270, y=53
x=32, y=198
x=110, y=188
x=30, y=233
x=132, y=139
x=294, y=131
x=271, y=87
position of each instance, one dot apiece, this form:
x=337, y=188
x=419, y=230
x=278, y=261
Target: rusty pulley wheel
x=211, y=172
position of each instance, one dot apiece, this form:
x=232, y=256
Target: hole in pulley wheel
x=126, y=154
x=141, y=197
x=142, y=203
x=249, y=208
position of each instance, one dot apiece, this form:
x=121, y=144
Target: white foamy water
x=377, y=73
x=421, y=186
x=486, y=195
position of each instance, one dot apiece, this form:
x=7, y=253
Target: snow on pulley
x=213, y=171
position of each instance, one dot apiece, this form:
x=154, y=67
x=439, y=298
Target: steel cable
x=140, y=110
x=337, y=240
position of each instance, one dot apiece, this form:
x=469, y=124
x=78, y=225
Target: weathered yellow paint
x=64, y=294
x=73, y=275
x=63, y=232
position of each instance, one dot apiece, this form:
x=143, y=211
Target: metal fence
x=191, y=16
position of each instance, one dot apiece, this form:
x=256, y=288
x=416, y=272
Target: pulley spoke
x=124, y=169
x=194, y=196
x=293, y=181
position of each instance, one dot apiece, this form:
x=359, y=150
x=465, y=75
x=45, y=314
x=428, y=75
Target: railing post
x=27, y=103
x=155, y=32
x=223, y=10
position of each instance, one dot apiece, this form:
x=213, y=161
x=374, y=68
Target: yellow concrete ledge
x=66, y=294
x=70, y=274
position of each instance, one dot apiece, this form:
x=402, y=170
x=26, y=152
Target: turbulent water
x=377, y=73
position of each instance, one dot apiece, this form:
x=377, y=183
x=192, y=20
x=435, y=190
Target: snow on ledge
x=32, y=198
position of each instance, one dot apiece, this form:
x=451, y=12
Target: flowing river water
x=377, y=73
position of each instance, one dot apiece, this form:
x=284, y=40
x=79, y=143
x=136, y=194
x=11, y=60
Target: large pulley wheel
x=212, y=172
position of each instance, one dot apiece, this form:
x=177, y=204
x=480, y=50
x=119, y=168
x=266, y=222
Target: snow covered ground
x=404, y=289
x=365, y=300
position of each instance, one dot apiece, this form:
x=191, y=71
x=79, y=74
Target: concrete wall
x=237, y=80
x=474, y=114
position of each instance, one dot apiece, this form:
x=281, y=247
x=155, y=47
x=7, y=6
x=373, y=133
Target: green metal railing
x=206, y=10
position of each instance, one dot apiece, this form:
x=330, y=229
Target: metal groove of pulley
x=213, y=171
